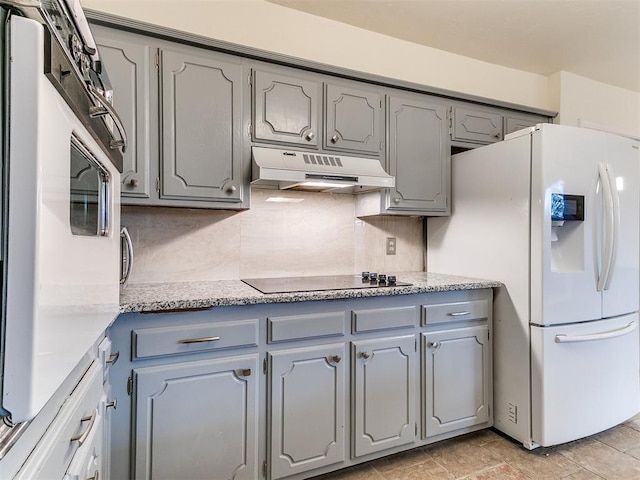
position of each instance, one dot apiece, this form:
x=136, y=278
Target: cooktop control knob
x=391, y=280
x=365, y=276
x=382, y=279
x=373, y=277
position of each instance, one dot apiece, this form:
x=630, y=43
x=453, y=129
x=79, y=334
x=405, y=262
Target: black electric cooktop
x=327, y=282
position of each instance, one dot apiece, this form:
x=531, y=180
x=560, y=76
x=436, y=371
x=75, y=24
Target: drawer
x=382, y=318
x=297, y=327
x=476, y=126
x=77, y=420
x=455, y=312
x=151, y=342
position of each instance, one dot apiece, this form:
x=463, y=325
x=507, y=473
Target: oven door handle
x=126, y=273
x=105, y=108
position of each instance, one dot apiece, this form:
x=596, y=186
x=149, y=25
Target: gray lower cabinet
x=383, y=393
x=195, y=419
x=457, y=379
x=308, y=406
x=182, y=108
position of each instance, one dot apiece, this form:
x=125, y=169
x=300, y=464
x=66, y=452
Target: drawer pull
x=81, y=437
x=243, y=372
x=199, y=340
x=458, y=314
x=112, y=404
x=334, y=359
x=113, y=358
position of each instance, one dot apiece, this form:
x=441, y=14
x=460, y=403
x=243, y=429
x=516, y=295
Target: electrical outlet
x=391, y=245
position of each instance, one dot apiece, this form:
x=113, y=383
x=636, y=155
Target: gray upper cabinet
x=129, y=60
x=475, y=125
x=286, y=108
x=352, y=119
x=201, y=112
x=513, y=124
x=183, y=110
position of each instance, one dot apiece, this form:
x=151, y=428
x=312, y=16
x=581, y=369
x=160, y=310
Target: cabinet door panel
x=384, y=390
x=476, y=126
x=205, y=410
x=513, y=124
x=307, y=409
x=128, y=59
x=418, y=155
x=457, y=383
x=201, y=115
x=286, y=109
x=352, y=119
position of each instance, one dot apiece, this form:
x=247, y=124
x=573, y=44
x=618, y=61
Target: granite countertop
x=188, y=295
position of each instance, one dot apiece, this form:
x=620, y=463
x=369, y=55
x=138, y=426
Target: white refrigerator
x=553, y=213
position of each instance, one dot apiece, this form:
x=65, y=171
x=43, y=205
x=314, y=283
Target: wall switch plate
x=391, y=245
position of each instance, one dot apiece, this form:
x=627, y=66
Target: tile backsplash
x=283, y=234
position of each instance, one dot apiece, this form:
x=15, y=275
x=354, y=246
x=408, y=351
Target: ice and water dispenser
x=567, y=232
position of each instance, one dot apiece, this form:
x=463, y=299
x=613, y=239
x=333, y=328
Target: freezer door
x=584, y=378
x=583, y=269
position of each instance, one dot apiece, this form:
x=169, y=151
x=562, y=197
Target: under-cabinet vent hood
x=291, y=169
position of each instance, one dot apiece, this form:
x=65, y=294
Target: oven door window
x=89, y=193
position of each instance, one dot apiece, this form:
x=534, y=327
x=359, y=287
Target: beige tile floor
x=487, y=455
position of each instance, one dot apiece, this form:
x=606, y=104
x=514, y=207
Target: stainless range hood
x=310, y=171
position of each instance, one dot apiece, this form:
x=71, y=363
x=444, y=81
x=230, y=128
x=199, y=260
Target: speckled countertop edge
x=144, y=297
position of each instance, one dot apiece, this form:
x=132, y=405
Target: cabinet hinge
x=249, y=79
x=158, y=184
x=264, y=468
x=249, y=130
x=156, y=60
x=416, y=429
x=488, y=335
x=265, y=366
x=380, y=145
x=130, y=386
x=415, y=345
x=450, y=115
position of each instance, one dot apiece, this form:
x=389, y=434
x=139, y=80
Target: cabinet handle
x=310, y=136
x=334, y=358
x=458, y=314
x=335, y=138
x=113, y=358
x=81, y=437
x=243, y=372
x=199, y=340
x=112, y=404
x=365, y=355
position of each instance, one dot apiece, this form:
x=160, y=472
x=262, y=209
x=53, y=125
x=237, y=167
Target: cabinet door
x=384, y=393
x=307, y=409
x=476, y=126
x=418, y=155
x=129, y=62
x=197, y=420
x=285, y=108
x=457, y=379
x=352, y=119
x=513, y=124
x=201, y=118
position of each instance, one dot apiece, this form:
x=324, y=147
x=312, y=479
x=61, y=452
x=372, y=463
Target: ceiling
x=597, y=39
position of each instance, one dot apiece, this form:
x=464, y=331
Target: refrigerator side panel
x=621, y=294
x=487, y=236
x=584, y=378
x=564, y=261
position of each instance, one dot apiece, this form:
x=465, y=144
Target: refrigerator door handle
x=609, y=214
x=615, y=214
x=596, y=336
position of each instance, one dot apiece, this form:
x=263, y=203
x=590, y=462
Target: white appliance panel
x=584, y=378
x=63, y=289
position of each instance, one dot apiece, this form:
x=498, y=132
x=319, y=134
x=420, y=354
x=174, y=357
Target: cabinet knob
x=112, y=404
x=243, y=372
x=365, y=355
x=334, y=358
x=433, y=344
x=133, y=183
x=335, y=138
x=495, y=134
x=310, y=136
x=397, y=200
x=230, y=188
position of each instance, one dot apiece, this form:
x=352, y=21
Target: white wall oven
x=61, y=143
